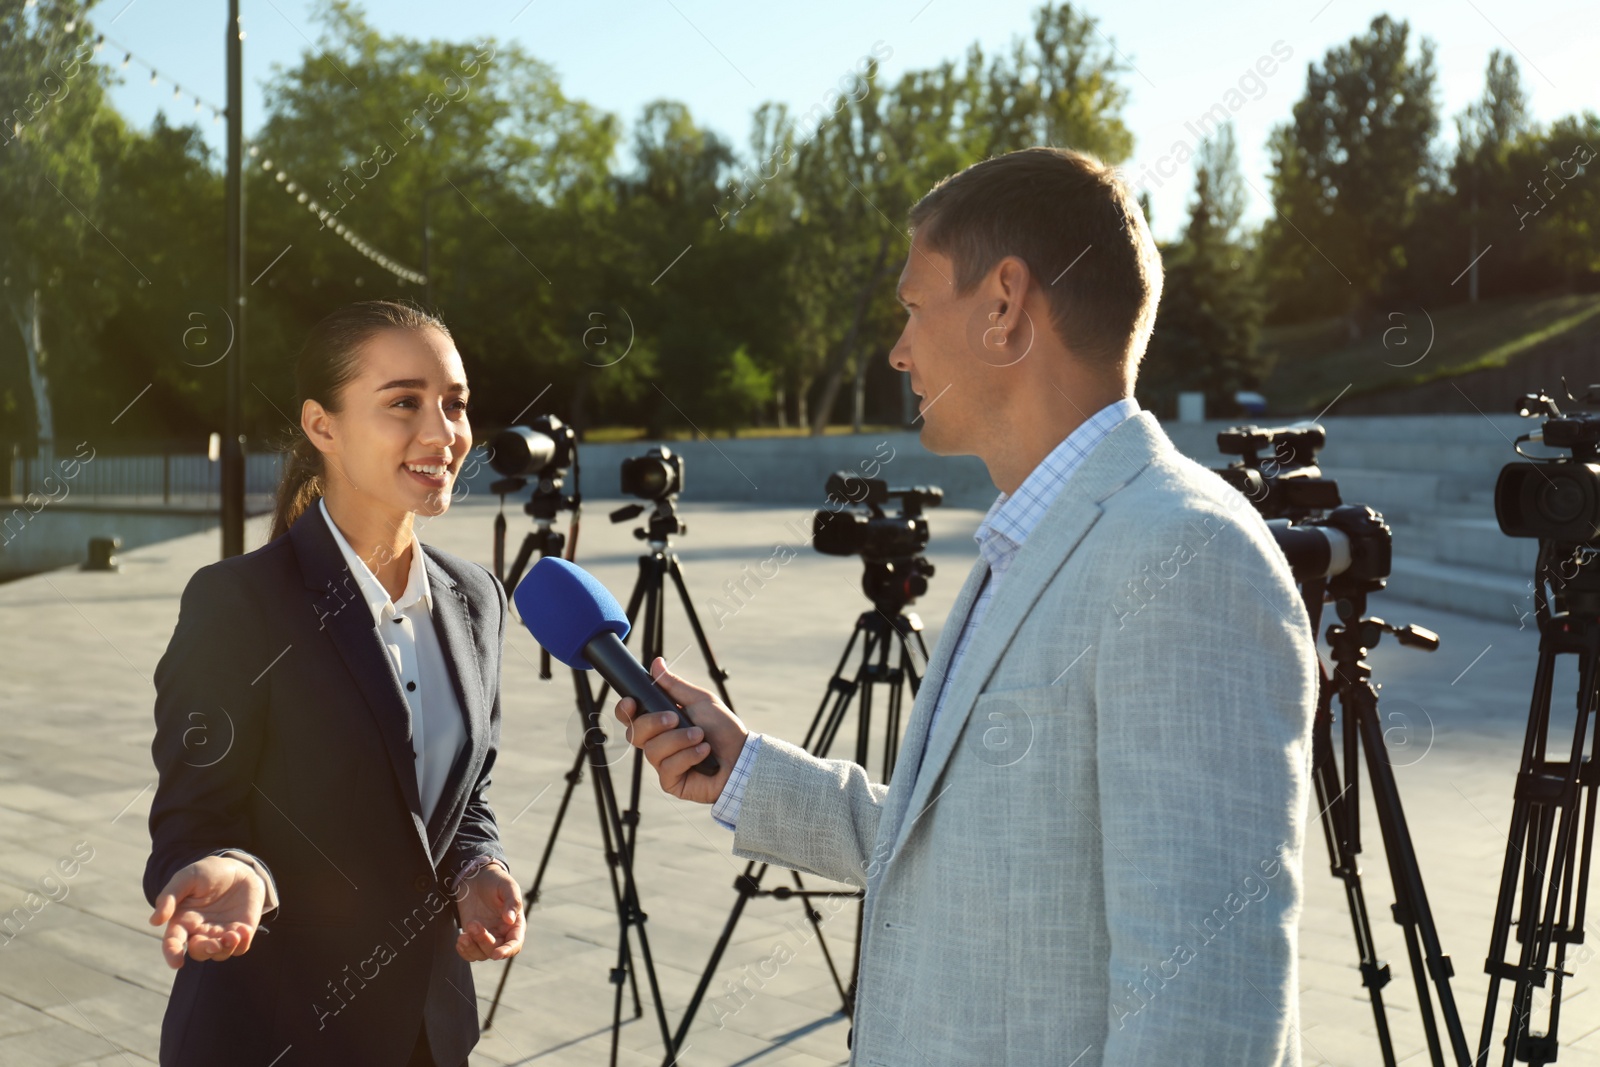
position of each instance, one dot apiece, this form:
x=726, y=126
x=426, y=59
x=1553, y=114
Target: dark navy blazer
x=281, y=730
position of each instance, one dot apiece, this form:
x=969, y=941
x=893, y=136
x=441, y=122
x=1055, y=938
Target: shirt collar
x=372, y=590
x=1013, y=516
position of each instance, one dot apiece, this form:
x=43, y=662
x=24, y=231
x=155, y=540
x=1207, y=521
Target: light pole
x=233, y=467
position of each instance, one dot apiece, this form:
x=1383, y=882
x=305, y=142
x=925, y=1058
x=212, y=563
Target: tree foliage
x=1347, y=171
x=1210, y=312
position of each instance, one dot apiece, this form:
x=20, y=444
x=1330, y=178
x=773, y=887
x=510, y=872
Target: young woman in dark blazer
x=327, y=716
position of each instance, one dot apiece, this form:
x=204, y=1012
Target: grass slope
x=1316, y=362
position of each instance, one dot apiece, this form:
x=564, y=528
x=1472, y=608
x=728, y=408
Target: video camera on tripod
x=657, y=477
x=891, y=545
x=1349, y=545
x=1343, y=553
x=888, y=644
x=1553, y=498
x=1544, y=884
x=541, y=452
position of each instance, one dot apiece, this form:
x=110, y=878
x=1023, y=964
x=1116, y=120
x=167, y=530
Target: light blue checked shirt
x=1001, y=534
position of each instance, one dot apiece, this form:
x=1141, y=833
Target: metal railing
x=166, y=478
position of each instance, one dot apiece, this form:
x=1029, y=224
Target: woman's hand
x=211, y=909
x=490, y=910
x=673, y=750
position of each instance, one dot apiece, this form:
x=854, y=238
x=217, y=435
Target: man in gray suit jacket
x=1091, y=849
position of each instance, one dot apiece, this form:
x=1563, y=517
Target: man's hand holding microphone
x=674, y=747
x=689, y=736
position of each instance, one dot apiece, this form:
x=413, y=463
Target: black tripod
x=546, y=502
x=649, y=592
x=1343, y=553
x=1551, y=841
x=892, y=585
x=1339, y=797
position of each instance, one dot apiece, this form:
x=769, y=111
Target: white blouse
x=406, y=628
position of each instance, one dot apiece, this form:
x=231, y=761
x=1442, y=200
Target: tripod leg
x=1412, y=911
x=747, y=885
x=613, y=860
x=819, y=736
x=531, y=897
x=1527, y=824
x=1516, y=838
x=838, y=690
x=631, y=909
x=718, y=675
x=1335, y=817
x=1557, y=791
x=814, y=917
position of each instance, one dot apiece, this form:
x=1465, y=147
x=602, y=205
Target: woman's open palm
x=211, y=909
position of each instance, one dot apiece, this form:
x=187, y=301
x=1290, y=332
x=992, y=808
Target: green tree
x=54, y=116
x=165, y=338
x=836, y=213
x=1557, y=197
x=693, y=280
x=1210, y=313
x=368, y=127
x=1347, y=172
x=1480, y=175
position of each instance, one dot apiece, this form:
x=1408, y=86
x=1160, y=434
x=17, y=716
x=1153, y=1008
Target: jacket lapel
x=915, y=739
x=1126, y=451
x=337, y=602
x=457, y=629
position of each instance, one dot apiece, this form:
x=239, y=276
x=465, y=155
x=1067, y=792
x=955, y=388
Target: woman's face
x=403, y=433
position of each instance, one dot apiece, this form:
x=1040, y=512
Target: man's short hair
x=1054, y=209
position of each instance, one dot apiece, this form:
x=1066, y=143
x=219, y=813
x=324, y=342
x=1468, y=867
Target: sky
x=723, y=59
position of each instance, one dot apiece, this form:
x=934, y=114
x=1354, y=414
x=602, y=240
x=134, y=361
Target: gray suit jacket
x=1099, y=859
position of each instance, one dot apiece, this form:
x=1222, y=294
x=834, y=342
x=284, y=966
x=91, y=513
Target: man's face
x=956, y=370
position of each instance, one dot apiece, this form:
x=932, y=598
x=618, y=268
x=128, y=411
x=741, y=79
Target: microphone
x=579, y=622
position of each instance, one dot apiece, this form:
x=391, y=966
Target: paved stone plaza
x=83, y=982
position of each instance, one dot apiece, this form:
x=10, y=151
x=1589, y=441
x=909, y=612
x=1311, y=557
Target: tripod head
x=663, y=522
x=892, y=584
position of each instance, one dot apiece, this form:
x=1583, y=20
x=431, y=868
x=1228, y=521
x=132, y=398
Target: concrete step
x=1398, y=494
x=1474, y=542
x=1480, y=461
x=1468, y=590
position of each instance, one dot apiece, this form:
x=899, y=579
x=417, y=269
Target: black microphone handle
x=629, y=678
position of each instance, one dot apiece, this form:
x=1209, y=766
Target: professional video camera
x=533, y=451
x=1287, y=484
x=891, y=545
x=870, y=533
x=653, y=476
x=1322, y=537
x=543, y=451
x=1554, y=498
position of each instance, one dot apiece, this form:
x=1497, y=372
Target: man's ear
x=1012, y=281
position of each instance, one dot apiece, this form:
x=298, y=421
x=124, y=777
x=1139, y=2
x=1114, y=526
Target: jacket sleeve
x=479, y=834
x=814, y=815
x=1205, y=690
x=211, y=719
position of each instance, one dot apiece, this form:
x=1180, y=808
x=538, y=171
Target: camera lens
x=519, y=452
x=1561, y=499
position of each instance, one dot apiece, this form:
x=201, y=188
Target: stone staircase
x=1432, y=477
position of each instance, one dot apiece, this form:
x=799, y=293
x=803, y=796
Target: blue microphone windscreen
x=565, y=607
